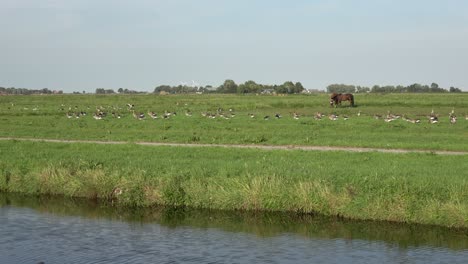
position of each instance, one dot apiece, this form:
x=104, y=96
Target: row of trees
x=413, y=88
x=229, y=86
x=13, y=90
x=182, y=89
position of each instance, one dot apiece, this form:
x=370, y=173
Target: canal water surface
x=60, y=230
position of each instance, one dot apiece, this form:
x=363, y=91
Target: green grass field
x=412, y=187
x=45, y=117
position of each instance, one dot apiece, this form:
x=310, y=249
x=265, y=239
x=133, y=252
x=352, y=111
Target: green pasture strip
x=413, y=188
x=45, y=117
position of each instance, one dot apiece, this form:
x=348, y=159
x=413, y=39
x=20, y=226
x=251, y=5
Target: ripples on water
x=64, y=231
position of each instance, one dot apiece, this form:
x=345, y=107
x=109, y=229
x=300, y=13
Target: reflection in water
x=83, y=231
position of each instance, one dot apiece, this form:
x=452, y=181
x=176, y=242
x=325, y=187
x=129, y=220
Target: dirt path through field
x=266, y=147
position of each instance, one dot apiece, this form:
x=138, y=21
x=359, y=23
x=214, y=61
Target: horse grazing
x=337, y=98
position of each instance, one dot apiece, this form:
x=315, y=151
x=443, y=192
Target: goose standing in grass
x=453, y=117
x=433, y=117
x=433, y=120
x=152, y=114
x=318, y=116
x=97, y=116
x=359, y=113
x=295, y=115
x=139, y=116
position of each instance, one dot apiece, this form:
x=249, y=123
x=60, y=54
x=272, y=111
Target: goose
x=295, y=115
x=453, y=119
x=318, y=116
x=433, y=117
x=251, y=115
x=333, y=117
x=359, y=113
x=345, y=117
x=139, y=116
x=392, y=116
x=278, y=116
x=188, y=113
x=389, y=118
x=414, y=121
x=97, y=116
x=69, y=114
x=376, y=116
x=152, y=114
x=266, y=117
x=223, y=116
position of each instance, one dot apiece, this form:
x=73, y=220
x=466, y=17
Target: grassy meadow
x=414, y=187
x=46, y=117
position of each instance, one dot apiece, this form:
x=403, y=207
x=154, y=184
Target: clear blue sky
x=77, y=45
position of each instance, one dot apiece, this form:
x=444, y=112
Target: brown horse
x=337, y=98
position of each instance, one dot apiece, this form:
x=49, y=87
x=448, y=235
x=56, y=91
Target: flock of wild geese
x=103, y=112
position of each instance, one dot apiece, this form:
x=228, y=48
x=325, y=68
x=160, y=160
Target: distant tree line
x=120, y=91
x=104, y=91
x=413, y=88
x=229, y=86
x=25, y=91
x=182, y=89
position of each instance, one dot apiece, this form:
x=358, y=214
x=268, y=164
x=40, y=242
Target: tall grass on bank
x=414, y=188
x=43, y=117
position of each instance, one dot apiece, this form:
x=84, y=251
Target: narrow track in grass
x=266, y=147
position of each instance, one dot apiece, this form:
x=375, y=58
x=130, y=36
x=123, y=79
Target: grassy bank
x=45, y=117
x=414, y=188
